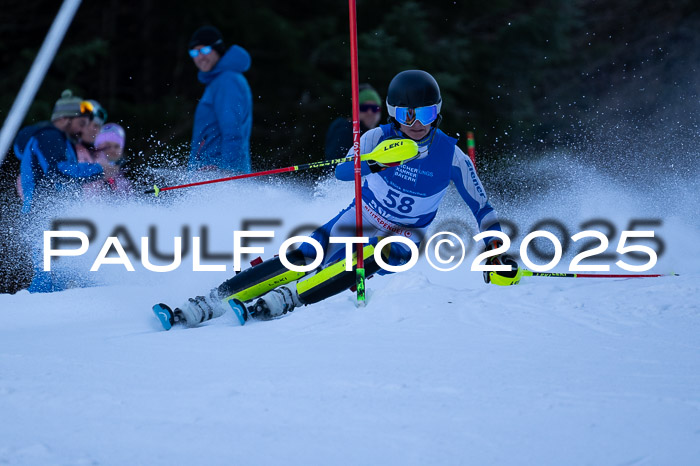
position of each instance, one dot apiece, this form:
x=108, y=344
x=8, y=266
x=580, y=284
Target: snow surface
x=438, y=368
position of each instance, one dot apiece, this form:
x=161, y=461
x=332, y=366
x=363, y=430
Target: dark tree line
x=526, y=75
x=515, y=72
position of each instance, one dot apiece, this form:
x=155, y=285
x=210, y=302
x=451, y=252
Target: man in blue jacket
x=48, y=167
x=224, y=115
x=46, y=150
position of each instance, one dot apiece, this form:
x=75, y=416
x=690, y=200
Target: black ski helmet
x=413, y=89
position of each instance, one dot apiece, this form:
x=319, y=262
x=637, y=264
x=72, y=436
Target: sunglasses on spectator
x=374, y=108
x=206, y=50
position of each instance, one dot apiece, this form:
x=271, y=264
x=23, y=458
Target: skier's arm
x=472, y=191
x=346, y=170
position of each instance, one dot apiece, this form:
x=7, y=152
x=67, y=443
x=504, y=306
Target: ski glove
x=502, y=278
x=375, y=166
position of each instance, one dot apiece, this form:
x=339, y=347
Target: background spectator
x=48, y=161
x=49, y=166
x=109, y=146
x=224, y=116
x=85, y=149
x=339, y=135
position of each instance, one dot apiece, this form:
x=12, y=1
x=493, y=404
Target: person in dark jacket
x=339, y=135
x=224, y=115
x=46, y=150
x=49, y=166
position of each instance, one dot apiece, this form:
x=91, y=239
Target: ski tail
x=239, y=309
x=164, y=315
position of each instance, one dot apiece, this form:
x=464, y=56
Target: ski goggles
x=206, y=50
x=87, y=109
x=408, y=116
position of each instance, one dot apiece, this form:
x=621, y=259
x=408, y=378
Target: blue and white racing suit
x=404, y=200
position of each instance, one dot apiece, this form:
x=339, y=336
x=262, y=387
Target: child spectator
x=109, y=148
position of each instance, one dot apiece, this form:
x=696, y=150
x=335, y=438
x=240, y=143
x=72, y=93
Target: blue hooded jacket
x=224, y=115
x=48, y=162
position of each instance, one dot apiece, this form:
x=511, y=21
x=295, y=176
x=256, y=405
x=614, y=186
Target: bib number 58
x=403, y=204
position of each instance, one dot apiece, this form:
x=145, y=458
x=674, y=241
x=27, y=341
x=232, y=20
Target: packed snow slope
x=438, y=368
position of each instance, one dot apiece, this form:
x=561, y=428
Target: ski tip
x=239, y=309
x=164, y=315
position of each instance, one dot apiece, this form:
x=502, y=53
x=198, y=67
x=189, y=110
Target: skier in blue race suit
x=397, y=200
x=224, y=115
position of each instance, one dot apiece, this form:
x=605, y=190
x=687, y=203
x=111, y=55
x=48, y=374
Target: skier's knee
x=258, y=280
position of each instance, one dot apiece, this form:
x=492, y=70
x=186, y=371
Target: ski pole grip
x=155, y=190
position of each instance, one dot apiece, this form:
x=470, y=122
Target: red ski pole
x=391, y=151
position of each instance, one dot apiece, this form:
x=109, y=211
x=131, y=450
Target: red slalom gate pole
x=471, y=148
x=360, y=267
